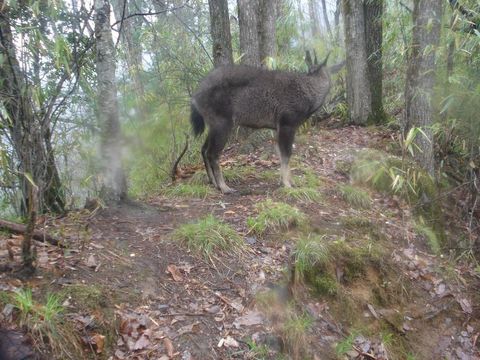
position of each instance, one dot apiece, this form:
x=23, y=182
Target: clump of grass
x=310, y=253
x=275, y=216
x=309, y=178
x=355, y=196
x=287, y=322
x=316, y=261
x=304, y=194
x=237, y=174
x=209, y=235
x=431, y=237
x=294, y=333
x=46, y=323
x=188, y=190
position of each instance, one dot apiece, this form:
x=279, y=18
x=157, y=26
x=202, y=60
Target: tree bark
x=314, y=17
x=358, y=88
x=325, y=18
x=114, y=181
x=266, y=26
x=427, y=15
x=373, y=34
x=220, y=30
x=247, y=20
x=30, y=135
x=129, y=34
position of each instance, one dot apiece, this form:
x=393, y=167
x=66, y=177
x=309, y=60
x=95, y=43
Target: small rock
x=251, y=240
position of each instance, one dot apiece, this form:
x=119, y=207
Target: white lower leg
x=285, y=173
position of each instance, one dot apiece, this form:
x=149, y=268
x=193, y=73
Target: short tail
x=196, y=119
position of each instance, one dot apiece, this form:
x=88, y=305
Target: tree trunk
x=427, y=15
x=373, y=35
x=247, y=21
x=336, y=20
x=30, y=136
x=358, y=88
x=266, y=26
x=220, y=30
x=314, y=17
x=114, y=181
x=129, y=33
x=325, y=18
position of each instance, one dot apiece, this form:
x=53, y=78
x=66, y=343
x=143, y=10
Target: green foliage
x=46, y=323
x=346, y=344
x=430, y=235
x=391, y=174
x=209, y=235
x=275, y=216
x=355, y=196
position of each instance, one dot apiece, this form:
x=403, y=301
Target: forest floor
x=129, y=290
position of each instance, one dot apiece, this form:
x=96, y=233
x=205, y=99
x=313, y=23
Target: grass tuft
x=303, y=194
x=275, y=216
x=46, y=323
x=430, y=236
x=188, y=190
x=310, y=253
x=209, y=235
x=355, y=196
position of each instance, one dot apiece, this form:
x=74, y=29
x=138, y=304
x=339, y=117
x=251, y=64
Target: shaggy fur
x=256, y=98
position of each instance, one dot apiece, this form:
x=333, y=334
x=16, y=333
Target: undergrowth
x=354, y=196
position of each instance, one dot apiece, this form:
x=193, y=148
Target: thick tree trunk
x=358, y=88
x=30, y=136
x=220, y=30
x=266, y=26
x=427, y=15
x=114, y=181
x=247, y=19
x=373, y=34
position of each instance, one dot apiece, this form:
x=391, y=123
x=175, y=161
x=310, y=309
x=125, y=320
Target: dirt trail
x=168, y=303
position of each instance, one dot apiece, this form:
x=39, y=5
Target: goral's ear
x=308, y=60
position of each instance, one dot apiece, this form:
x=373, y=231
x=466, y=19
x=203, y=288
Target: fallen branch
x=21, y=229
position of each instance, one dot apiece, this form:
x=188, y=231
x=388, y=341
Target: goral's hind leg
x=285, y=135
x=217, y=139
x=208, y=167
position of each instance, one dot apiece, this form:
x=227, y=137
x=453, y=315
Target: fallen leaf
x=91, y=262
x=141, y=343
x=466, y=305
x=168, y=346
x=187, y=328
x=176, y=275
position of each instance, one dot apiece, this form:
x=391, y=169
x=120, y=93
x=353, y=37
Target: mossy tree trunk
x=220, y=30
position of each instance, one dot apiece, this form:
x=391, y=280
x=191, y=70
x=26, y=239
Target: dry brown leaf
x=168, y=346
x=141, y=343
x=175, y=272
x=99, y=342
